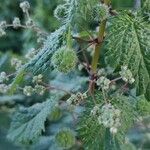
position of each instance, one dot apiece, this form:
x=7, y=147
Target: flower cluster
x=31, y=53
x=25, y=6
x=101, y=72
x=29, y=90
x=15, y=62
x=37, y=79
x=30, y=22
x=38, y=89
x=110, y=117
x=4, y=88
x=126, y=75
x=107, y=116
x=76, y=99
x=16, y=22
x=3, y=77
x=103, y=82
x=95, y=111
x=64, y=60
x=2, y=27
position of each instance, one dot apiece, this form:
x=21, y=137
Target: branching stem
x=97, y=48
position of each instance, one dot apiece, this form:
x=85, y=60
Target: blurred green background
x=42, y=12
x=18, y=41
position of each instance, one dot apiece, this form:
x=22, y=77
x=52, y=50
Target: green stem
x=98, y=46
x=100, y=40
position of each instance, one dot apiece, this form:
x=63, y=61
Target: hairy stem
x=99, y=43
x=97, y=48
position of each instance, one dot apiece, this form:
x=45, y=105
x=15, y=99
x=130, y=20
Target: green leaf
x=128, y=43
x=111, y=143
x=143, y=106
x=28, y=123
x=17, y=80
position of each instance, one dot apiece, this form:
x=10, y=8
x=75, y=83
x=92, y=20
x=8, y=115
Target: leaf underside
x=28, y=123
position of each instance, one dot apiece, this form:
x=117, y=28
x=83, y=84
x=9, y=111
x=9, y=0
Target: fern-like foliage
x=42, y=61
x=28, y=123
x=129, y=44
x=74, y=9
x=96, y=136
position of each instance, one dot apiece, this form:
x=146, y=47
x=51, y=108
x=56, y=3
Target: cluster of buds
x=95, y=111
x=37, y=89
x=3, y=77
x=101, y=72
x=31, y=53
x=103, y=82
x=15, y=62
x=30, y=22
x=37, y=79
x=76, y=99
x=29, y=90
x=126, y=75
x=16, y=22
x=25, y=6
x=2, y=28
x=110, y=117
x=4, y=88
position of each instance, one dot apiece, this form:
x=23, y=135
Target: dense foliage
x=85, y=84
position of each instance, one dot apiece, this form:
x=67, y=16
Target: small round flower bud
x=64, y=60
x=37, y=79
x=16, y=22
x=65, y=138
x=28, y=90
x=25, y=6
x=113, y=130
x=55, y=115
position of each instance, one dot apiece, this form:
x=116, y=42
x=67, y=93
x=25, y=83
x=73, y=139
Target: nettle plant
x=93, y=73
